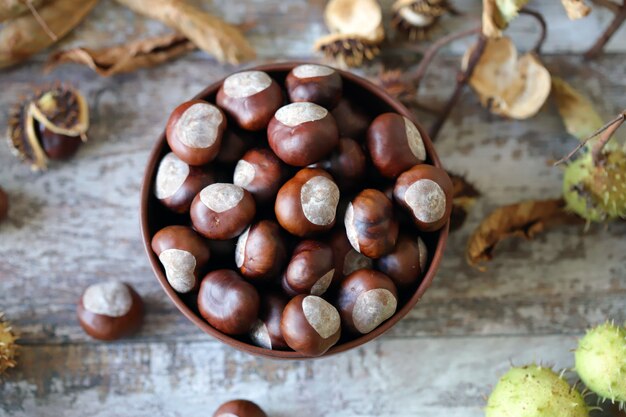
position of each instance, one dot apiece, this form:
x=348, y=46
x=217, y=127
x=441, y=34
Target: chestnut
x=57, y=145
x=110, y=310
x=251, y=98
x=346, y=163
x=302, y=133
x=239, y=408
x=347, y=260
x=426, y=192
x=370, y=224
x=261, y=251
x=194, y=131
x=261, y=173
x=183, y=254
x=310, y=325
x=311, y=268
x=366, y=299
x=395, y=144
x=317, y=84
x=307, y=203
x=407, y=263
x=266, y=331
x=177, y=183
x=4, y=205
x=222, y=211
x=227, y=302
x=352, y=121
x=234, y=145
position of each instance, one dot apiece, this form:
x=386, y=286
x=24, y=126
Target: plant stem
x=40, y=20
x=620, y=16
x=542, y=24
x=596, y=150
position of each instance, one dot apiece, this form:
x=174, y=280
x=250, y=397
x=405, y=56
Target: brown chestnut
x=4, y=205
x=239, y=408
x=352, y=121
x=183, y=254
x=307, y=203
x=57, y=145
x=303, y=133
x=266, y=331
x=261, y=173
x=311, y=268
x=260, y=251
x=222, y=211
x=366, y=299
x=310, y=325
x=227, y=302
x=317, y=84
x=251, y=98
x=370, y=224
x=177, y=183
x=346, y=163
x=395, y=144
x=426, y=192
x=110, y=310
x=407, y=263
x=347, y=260
x=194, y=131
x=234, y=145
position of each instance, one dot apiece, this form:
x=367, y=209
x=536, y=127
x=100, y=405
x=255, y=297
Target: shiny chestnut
x=251, y=98
x=234, y=145
x=370, y=224
x=227, y=302
x=261, y=251
x=261, y=173
x=194, y=131
x=406, y=264
x=317, y=84
x=352, y=121
x=347, y=163
x=110, y=310
x=307, y=203
x=366, y=299
x=266, y=331
x=310, y=325
x=310, y=269
x=426, y=192
x=183, y=253
x=395, y=144
x=347, y=260
x=302, y=133
x=222, y=211
x=239, y=408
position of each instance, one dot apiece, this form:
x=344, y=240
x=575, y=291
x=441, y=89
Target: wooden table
x=78, y=224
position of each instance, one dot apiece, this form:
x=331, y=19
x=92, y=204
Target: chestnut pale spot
x=227, y=415
x=372, y=308
x=170, y=177
x=260, y=336
x=354, y=261
x=295, y=114
x=416, y=19
x=221, y=197
x=321, y=315
x=414, y=138
x=351, y=231
x=198, y=126
x=427, y=200
x=311, y=70
x=179, y=269
x=240, y=250
x=319, y=197
x=244, y=173
x=323, y=283
x=247, y=83
x=422, y=253
x=111, y=299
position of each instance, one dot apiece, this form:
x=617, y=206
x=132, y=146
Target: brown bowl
x=153, y=217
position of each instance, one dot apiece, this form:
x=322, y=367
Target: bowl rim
x=146, y=190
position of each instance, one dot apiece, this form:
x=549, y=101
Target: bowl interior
x=154, y=217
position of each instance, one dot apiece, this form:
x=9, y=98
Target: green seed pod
x=601, y=361
x=534, y=391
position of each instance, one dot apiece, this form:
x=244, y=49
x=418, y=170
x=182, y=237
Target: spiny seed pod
x=601, y=362
x=417, y=18
x=597, y=191
x=7, y=345
x=534, y=391
x=51, y=124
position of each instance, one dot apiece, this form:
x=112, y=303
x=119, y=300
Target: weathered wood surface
x=78, y=224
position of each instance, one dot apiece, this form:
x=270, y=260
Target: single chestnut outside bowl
x=153, y=216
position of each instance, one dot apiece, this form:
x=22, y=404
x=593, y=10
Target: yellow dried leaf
x=576, y=9
x=498, y=13
x=580, y=118
x=13, y=8
x=8, y=348
x=464, y=197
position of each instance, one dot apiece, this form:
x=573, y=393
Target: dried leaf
x=395, y=83
x=125, y=58
x=509, y=85
x=525, y=219
x=577, y=112
x=223, y=41
x=576, y=9
x=13, y=8
x=498, y=13
x=24, y=36
x=464, y=197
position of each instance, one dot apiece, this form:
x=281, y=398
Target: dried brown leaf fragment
x=578, y=114
x=576, y=9
x=464, y=197
x=498, y=13
x=13, y=8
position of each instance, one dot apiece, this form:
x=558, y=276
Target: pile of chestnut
x=304, y=211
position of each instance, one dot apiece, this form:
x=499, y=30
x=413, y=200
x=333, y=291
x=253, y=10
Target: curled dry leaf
x=576, y=9
x=498, y=13
x=464, y=196
x=509, y=85
x=13, y=8
x=25, y=36
x=580, y=118
x=125, y=58
x=525, y=219
x=223, y=41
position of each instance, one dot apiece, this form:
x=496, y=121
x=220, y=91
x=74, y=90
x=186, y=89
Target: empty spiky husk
x=416, y=19
x=349, y=51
